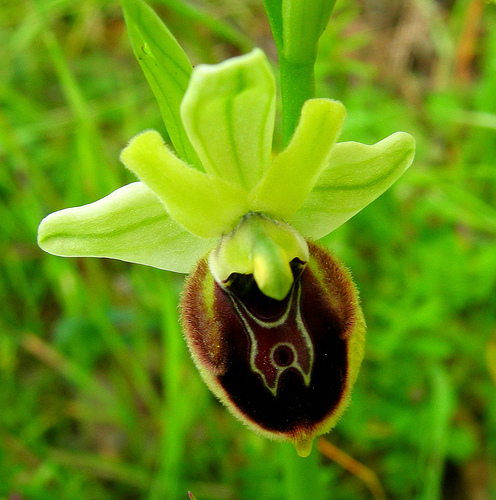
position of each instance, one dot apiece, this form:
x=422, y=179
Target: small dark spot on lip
x=283, y=356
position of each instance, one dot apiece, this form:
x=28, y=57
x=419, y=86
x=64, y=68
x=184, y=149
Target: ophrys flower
x=272, y=320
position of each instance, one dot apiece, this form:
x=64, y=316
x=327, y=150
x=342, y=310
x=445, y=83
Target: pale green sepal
x=204, y=205
x=130, y=224
x=166, y=67
x=357, y=174
x=228, y=112
x=294, y=172
x=262, y=247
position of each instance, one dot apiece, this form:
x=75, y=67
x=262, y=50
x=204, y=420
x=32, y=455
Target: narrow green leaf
x=356, y=175
x=166, y=67
x=205, y=205
x=130, y=224
x=295, y=171
x=221, y=28
x=228, y=112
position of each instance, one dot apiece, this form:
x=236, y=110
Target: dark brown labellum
x=283, y=367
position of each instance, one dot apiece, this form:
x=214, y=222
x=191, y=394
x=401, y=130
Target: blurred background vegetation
x=98, y=396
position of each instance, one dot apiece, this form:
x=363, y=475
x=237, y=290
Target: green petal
x=204, y=205
x=130, y=224
x=228, y=112
x=295, y=171
x=357, y=174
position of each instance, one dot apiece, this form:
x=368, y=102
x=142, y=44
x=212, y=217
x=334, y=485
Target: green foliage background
x=98, y=396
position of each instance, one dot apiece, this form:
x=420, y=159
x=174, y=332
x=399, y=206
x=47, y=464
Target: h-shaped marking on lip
x=278, y=345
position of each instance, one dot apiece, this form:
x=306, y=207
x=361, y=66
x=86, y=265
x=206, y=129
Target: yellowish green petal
x=294, y=172
x=130, y=224
x=228, y=113
x=204, y=205
x=356, y=175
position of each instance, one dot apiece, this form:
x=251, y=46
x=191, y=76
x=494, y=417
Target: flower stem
x=301, y=478
x=297, y=86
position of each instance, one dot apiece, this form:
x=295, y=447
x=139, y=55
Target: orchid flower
x=272, y=320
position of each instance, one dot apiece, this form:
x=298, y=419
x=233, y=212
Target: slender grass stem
x=353, y=466
x=220, y=28
x=168, y=479
x=72, y=372
x=87, y=140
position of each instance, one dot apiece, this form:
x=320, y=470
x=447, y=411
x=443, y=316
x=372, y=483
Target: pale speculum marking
x=278, y=345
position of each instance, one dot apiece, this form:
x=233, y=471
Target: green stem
x=301, y=479
x=273, y=8
x=297, y=86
